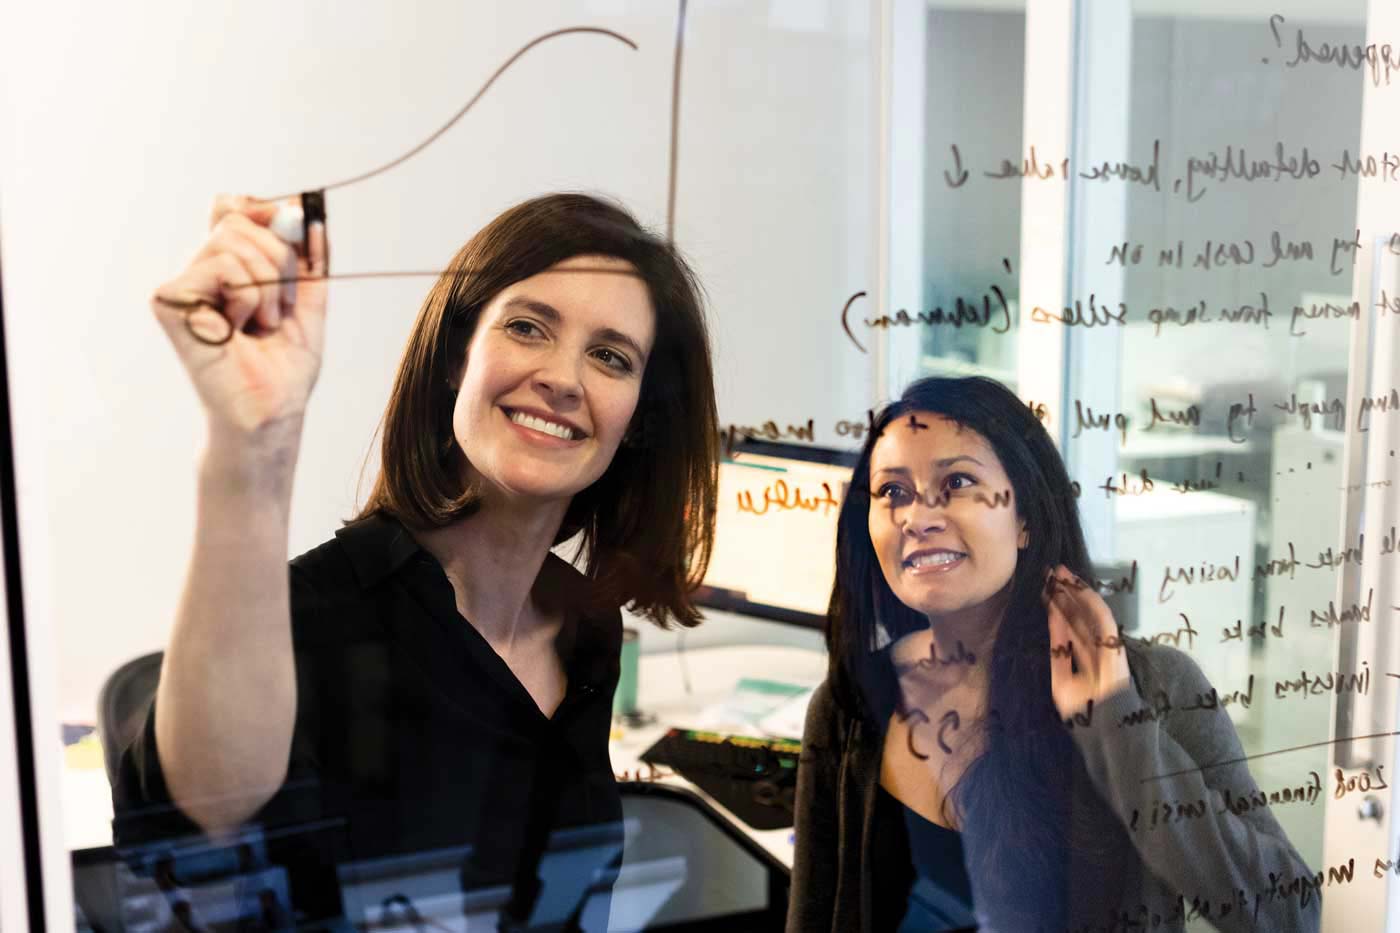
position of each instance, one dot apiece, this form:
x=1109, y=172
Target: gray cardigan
x=1234, y=870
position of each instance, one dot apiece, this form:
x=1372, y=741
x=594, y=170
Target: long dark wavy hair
x=1029, y=836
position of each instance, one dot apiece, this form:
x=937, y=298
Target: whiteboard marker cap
x=287, y=224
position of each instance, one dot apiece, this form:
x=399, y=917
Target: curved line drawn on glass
x=919, y=717
x=393, y=163
x=949, y=722
x=189, y=306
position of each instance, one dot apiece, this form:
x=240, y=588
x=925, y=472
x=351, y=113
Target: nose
x=925, y=515
x=560, y=376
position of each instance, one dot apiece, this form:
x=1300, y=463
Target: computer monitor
x=577, y=873
x=775, y=531
x=417, y=889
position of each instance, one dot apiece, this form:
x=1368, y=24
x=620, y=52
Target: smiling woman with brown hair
x=635, y=516
x=978, y=756
x=433, y=676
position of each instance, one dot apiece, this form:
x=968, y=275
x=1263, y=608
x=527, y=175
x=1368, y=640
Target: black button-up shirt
x=412, y=734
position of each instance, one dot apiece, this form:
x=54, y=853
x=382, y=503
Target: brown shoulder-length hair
x=648, y=522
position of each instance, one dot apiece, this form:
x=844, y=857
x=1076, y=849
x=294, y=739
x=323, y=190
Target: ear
x=1023, y=540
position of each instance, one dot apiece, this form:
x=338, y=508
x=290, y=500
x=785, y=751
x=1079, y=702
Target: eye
x=894, y=494
x=523, y=327
x=612, y=359
x=958, y=481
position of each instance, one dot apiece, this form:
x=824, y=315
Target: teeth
x=942, y=557
x=545, y=427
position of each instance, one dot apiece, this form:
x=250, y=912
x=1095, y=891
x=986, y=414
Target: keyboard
x=754, y=778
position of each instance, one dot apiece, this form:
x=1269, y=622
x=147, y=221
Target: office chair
x=122, y=706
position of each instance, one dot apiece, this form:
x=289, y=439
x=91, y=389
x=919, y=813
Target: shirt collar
x=377, y=547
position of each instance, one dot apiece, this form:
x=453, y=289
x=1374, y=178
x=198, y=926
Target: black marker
x=292, y=222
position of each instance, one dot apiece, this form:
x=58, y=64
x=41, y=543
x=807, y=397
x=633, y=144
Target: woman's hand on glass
x=247, y=317
x=1087, y=658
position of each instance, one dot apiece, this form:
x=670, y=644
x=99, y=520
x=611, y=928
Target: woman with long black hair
x=988, y=751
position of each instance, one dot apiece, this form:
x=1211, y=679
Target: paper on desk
x=788, y=720
x=758, y=707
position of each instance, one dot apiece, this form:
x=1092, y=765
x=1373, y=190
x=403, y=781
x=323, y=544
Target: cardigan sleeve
x=814, y=872
x=1166, y=774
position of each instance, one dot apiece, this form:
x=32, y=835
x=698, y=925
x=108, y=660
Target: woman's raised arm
x=1237, y=869
x=227, y=697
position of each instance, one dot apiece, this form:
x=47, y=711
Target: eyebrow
x=941, y=464
x=551, y=314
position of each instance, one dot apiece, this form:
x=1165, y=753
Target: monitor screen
x=775, y=531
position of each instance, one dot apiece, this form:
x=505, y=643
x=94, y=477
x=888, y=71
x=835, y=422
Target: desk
x=87, y=808
x=714, y=671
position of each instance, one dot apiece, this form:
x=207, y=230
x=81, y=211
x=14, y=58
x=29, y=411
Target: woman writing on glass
x=980, y=754
x=433, y=676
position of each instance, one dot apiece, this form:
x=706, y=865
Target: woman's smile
x=537, y=427
x=553, y=376
x=932, y=561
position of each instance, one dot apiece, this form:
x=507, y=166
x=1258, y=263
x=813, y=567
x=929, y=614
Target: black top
x=940, y=893
x=411, y=734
